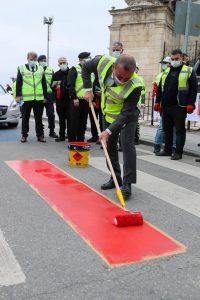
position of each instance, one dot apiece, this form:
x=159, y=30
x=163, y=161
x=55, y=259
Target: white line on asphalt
x=10, y=271
x=167, y=163
x=161, y=189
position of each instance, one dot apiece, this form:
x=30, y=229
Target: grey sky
x=78, y=26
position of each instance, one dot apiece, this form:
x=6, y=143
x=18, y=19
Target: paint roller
x=128, y=218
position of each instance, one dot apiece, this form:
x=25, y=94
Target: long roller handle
x=119, y=192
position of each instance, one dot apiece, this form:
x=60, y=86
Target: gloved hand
x=156, y=107
x=190, y=108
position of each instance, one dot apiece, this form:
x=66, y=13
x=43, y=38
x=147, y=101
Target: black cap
x=83, y=55
x=41, y=57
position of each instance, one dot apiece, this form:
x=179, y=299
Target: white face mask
x=32, y=63
x=43, y=64
x=63, y=67
x=116, y=54
x=176, y=63
x=118, y=82
x=87, y=59
x=164, y=67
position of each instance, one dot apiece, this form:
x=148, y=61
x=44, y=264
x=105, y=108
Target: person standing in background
x=31, y=90
x=60, y=91
x=49, y=105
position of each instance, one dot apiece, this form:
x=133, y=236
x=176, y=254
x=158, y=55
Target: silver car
x=9, y=109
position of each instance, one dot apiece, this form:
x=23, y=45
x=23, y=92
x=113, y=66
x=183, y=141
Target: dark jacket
x=61, y=76
x=170, y=94
x=129, y=112
x=19, y=83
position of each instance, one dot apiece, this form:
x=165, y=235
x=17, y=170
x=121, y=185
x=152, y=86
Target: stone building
x=146, y=29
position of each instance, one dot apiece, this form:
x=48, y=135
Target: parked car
x=9, y=109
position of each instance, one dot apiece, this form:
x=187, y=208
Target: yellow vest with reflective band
x=48, y=75
x=32, y=84
x=183, y=88
x=80, y=91
x=113, y=97
x=14, y=89
x=158, y=78
x=143, y=91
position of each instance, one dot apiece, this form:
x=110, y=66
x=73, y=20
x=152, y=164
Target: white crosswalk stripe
x=161, y=189
x=167, y=163
x=10, y=271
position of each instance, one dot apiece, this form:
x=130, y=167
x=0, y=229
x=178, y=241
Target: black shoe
x=126, y=190
x=93, y=139
x=197, y=159
x=110, y=184
x=157, y=148
x=98, y=142
x=173, y=150
x=176, y=156
x=60, y=139
x=53, y=135
x=136, y=142
x=164, y=153
x=23, y=139
x=41, y=139
x=198, y=145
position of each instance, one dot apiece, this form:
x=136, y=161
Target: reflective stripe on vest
x=184, y=75
x=113, y=97
x=80, y=91
x=32, y=84
x=48, y=75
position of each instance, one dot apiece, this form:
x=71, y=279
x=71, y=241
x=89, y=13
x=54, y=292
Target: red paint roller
x=129, y=219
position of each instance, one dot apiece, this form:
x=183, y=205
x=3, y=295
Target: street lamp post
x=49, y=22
x=187, y=25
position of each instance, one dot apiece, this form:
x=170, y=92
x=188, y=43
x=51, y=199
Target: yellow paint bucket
x=78, y=154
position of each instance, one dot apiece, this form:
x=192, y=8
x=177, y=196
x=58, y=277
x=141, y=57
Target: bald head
x=124, y=68
x=127, y=61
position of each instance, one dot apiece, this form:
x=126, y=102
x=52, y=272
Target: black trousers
x=174, y=116
x=63, y=111
x=37, y=107
x=127, y=135
x=78, y=121
x=99, y=116
x=50, y=113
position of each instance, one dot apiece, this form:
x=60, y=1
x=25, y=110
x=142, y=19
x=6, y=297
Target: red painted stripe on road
x=91, y=215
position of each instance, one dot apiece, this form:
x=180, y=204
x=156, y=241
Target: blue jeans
x=159, y=138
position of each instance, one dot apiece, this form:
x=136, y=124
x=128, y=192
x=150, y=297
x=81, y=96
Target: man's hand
x=76, y=102
x=89, y=96
x=18, y=99
x=45, y=101
x=104, y=137
x=190, y=109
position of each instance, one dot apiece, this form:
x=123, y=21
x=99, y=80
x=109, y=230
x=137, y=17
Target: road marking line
x=10, y=271
x=161, y=189
x=168, y=163
x=91, y=215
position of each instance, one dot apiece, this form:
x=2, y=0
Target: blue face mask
x=116, y=54
x=176, y=63
x=32, y=63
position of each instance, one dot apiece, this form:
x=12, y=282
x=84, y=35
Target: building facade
x=146, y=30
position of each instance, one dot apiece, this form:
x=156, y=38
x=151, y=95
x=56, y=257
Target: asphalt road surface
x=43, y=258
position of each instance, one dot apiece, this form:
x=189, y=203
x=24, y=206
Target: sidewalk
x=147, y=135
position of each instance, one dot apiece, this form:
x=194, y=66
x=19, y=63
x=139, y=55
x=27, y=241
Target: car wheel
x=12, y=125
